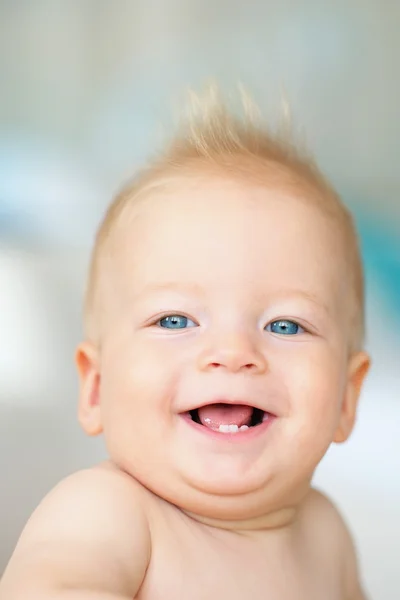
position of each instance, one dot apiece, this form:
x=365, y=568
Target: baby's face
x=225, y=364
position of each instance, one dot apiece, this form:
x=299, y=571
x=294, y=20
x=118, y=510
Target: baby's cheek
x=141, y=388
x=151, y=366
x=319, y=408
x=318, y=375
x=316, y=395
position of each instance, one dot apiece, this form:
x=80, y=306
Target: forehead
x=225, y=233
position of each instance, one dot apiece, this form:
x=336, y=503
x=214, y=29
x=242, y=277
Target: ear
x=358, y=368
x=89, y=414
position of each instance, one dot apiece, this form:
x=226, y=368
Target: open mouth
x=228, y=418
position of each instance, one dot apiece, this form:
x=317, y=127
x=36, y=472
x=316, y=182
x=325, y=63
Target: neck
x=278, y=519
x=280, y=515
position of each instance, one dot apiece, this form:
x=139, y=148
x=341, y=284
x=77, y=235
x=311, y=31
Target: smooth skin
x=176, y=514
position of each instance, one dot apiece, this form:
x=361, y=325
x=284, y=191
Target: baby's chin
x=251, y=510
x=226, y=500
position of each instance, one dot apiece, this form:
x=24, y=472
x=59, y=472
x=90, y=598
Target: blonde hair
x=212, y=139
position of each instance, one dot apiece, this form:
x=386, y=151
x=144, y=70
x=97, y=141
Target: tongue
x=214, y=415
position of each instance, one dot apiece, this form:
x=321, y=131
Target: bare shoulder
x=323, y=516
x=330, y=533
x=318, y=504
x=90, y=532
x=101, y=495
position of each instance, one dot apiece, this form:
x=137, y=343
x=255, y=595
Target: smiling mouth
x=228, y=418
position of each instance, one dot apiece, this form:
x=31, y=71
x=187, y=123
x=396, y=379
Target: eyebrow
x=178, y=286
x=311, y=298
x=195, y=288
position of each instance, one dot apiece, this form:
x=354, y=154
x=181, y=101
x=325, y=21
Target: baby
x=223, y=354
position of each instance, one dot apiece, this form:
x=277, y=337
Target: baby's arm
x=337, y=530
x=353, y=587
x=326, y=529
x=88, y=540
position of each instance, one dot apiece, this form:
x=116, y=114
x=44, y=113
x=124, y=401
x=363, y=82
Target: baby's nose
x=234, y=352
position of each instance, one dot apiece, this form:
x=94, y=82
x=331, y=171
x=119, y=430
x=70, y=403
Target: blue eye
x=284, y=327
x=175, y=322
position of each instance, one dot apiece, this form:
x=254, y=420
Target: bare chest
x=199, y=567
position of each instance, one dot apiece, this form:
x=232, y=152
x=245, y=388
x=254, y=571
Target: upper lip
x=234, y=401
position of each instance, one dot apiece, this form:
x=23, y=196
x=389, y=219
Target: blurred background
x=88, y=90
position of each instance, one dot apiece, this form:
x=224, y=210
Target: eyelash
x=155, y=323
x=281, y=319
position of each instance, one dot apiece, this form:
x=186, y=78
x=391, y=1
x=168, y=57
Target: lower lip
x=239, y=436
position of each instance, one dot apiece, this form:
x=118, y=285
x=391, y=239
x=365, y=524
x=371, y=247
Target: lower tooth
x=232, y=428
x=223, y=428
x=228, y=428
